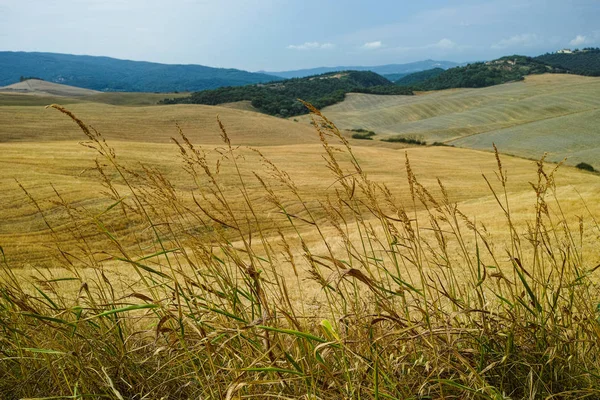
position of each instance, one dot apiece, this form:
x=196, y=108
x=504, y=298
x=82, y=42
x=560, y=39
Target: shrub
x=585, y=167
x=406, y=139
x=441, y=144
x=362, y=134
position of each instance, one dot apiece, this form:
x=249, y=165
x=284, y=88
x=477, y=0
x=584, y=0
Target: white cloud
x=524, y=40
x=372, y=45
x=579, y=40
x=311, y=46
x=445, y=44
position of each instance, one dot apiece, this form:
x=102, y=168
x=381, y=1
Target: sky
x=276, y=35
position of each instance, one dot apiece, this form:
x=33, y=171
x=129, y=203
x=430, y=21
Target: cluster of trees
x=395, y=77
x=408, y=139
x=418, y=77
x=581, y=62
x=281, y=98
x=585, y=166
x=363, y=134
x=476, y=75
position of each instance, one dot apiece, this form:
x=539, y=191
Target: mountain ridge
x=109, y=74
x=385, y=69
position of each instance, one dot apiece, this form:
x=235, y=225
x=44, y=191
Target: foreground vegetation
x=411, y=304
x=281, y=98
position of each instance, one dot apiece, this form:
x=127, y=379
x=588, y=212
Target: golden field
x=268, y=258
x=557, y=114
x=41, y=150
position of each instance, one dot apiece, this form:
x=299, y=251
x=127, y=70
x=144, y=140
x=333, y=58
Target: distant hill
x=281, y=98
x=389, y=69
x=395, y=77
x=113, y=75
x=581, y=62
x=40, y=87
x=418, y=77
x=483, y=74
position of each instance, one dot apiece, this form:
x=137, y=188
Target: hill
x=40, y=87
x=9, y=98
x=395, y=77
x=388, y=69
x=45, y=150
x=155, y=124
x=581, y=62
x=110, y=74
x=418, y=77
x=554, y=113
x=483, y=74
x=281, y=98
x=35, y=92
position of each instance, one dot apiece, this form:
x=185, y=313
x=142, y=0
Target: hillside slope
x=557, y=113
x=281, y=98
x=110, y=74
x=40, y=146
x=43, y=88
x=155, y=124
x=582, y=62
x=418, y=77
x=483, y=74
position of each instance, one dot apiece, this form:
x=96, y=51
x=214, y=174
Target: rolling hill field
x=40, y=87
x=270, y=247
x=35, y=92
x=550, y=113
x=44, y=144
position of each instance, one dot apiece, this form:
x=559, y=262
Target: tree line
x=281, y=98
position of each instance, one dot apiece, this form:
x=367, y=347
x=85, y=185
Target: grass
x=234, y=279
x=560, y=111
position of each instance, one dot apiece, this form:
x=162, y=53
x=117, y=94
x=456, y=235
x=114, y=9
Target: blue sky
x=283, y=35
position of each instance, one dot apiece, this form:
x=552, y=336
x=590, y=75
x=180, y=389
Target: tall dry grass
x=214, y=303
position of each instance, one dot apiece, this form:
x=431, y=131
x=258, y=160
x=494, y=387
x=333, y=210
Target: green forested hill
x=113, y=75
x=395, y=77
x=476, y=75
x=581, y=62
x=281, y=98
x=419, y=77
